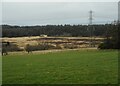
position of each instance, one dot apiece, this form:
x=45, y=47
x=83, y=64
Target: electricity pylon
x=92, y=44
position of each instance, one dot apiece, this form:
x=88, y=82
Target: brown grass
x=23, y=41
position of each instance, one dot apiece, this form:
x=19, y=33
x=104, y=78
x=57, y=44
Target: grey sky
x=42, y=13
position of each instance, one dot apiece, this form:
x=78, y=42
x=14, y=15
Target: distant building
x=43, y=35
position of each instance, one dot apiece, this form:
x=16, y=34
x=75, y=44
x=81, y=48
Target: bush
x=105, y=45
x=4, y=51
x=45, y=46
x=28, y=48
x=10, y=48
x=14, y=48
x=101, y=46
x=58, y=47
x=42, y=46
x=70, y=46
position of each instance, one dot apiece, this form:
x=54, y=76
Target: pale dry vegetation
x=56, y=42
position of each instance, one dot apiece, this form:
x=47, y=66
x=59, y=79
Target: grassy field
x=68, y=67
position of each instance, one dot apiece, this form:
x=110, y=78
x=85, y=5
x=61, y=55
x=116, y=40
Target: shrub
x=70, y=46
x=10, y=48
x=42, y=46
x=58, y=47
x=13, y=47
x=45, y=46
x=105, y=46
x=4, y=51
x=28, y=48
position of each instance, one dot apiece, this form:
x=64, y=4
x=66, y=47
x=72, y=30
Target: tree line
x=55, y=30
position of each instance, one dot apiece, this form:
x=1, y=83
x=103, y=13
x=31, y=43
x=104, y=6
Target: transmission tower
x=90, y=17
x=91, y=28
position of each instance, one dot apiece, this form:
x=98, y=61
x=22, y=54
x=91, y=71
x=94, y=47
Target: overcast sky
x=42, y=13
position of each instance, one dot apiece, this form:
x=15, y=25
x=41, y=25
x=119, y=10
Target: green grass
x=68, y=67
